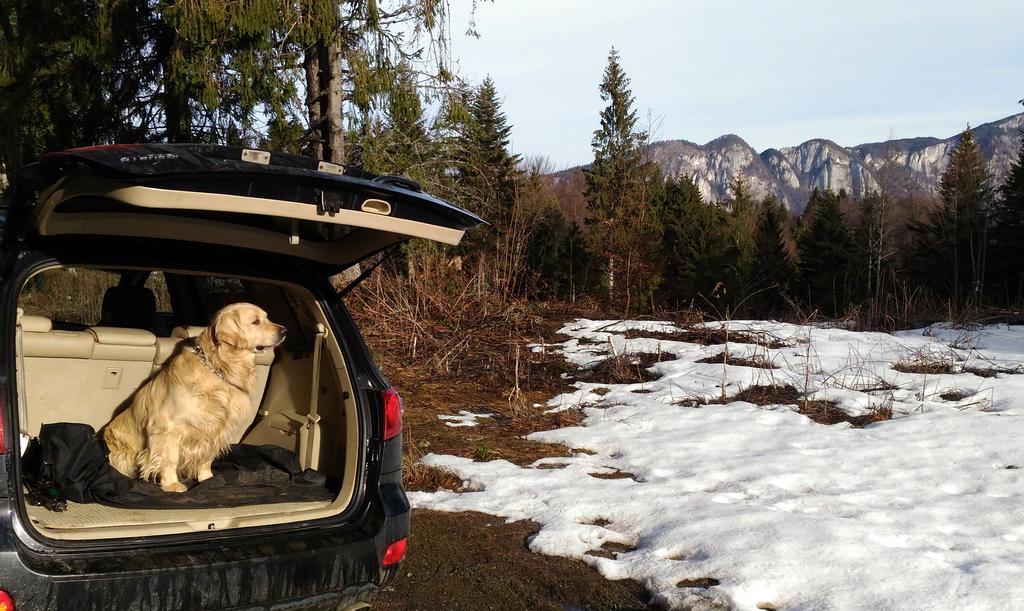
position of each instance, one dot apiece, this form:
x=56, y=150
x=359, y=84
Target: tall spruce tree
x=488, y=169
x=696, y=247
x=397, y=141
x=1008, y=235
x=774, y=269
x=621, y=185
x=950, y=249
x=825, y=253
x=744, y=217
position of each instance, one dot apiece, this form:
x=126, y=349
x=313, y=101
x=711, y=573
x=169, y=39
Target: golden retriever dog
x=197, y=405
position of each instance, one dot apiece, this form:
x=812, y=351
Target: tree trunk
x=332, y=129
x=311, y=63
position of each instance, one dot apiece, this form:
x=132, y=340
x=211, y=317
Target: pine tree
x=696, y=246
x=84, y=72
x=950, y=248
x=70, y=75
x=774, y=269
x=744, y=217
x=825, y=253
x=398, y=142
x=1008, y=234
x=489, y=171
x=620, y=186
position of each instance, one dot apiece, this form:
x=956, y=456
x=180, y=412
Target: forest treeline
x=371, y=85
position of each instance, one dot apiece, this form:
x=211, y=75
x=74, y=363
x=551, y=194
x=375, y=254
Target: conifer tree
x=72, y=75
x=489, y=171
x=86, y=72
x=774, y=269
x=744, y=217
x=1008, y=234
x=696, y=245
x=950, y=248
x=621, y=184
x=397, y=141
x=825, y=253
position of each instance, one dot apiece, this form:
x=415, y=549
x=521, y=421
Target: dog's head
x=245, y=327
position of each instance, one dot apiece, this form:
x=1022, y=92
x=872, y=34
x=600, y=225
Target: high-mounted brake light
x=395, y=552
x=392, y=413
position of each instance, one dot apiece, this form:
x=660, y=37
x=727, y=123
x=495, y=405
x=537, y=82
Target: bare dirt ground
x=476, y=561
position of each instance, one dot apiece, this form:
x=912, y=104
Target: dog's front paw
x=174, y=487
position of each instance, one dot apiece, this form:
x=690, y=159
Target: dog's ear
x=226, y=329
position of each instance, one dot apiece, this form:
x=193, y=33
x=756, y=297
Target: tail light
x=395, y=552
x=392, y=413
x=7, y=603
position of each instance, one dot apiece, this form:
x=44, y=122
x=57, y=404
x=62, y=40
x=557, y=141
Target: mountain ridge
x=790, y=173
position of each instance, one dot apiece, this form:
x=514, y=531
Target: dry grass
x=712, y=336
x=768, y=395
x=926, y=368
x=827, y=412
x=758, y=361
x=614, y=474
x=822, y=412
x=526, y=419
x=992, y=371
x=698, y=582
x=955, y=394
x=426, y=478
x=629, y=368
x=610, y=549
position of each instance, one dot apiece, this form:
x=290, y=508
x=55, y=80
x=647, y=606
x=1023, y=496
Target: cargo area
x=87, y=339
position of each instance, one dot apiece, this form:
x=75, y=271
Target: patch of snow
x=462, y=419
x=923, y=511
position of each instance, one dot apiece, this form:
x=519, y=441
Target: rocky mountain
x=790, y=173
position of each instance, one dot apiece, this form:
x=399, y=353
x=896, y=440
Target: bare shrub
x=924, y=361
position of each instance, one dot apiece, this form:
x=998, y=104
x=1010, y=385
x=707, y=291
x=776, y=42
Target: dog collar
x=206, y=361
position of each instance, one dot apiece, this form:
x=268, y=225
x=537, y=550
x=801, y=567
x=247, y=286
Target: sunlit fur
x=186, y=416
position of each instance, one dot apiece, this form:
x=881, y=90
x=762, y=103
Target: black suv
x=112, y=257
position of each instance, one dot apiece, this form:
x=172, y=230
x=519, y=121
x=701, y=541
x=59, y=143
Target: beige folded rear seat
x=80, y=376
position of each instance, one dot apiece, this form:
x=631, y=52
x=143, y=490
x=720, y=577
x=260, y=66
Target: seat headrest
x=35, y=324
x=187, y=332
x=129, y=306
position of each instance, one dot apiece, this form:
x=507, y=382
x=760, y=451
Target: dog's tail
x=123, y=438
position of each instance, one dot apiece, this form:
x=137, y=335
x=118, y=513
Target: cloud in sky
x=775, y=73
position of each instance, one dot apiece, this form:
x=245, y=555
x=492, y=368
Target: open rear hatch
x=327, y=217
x=229, y=196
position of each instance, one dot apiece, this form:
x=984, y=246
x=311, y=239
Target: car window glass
x=157, y=283
x=70, y=297
x=216, y=292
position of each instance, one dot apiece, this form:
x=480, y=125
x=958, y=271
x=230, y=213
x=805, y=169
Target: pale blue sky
x=776, y=73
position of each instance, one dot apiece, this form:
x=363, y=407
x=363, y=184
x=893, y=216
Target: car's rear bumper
x=329, y=568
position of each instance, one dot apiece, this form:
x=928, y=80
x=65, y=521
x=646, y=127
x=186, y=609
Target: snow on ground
x=463, y=418
x=923, y=511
